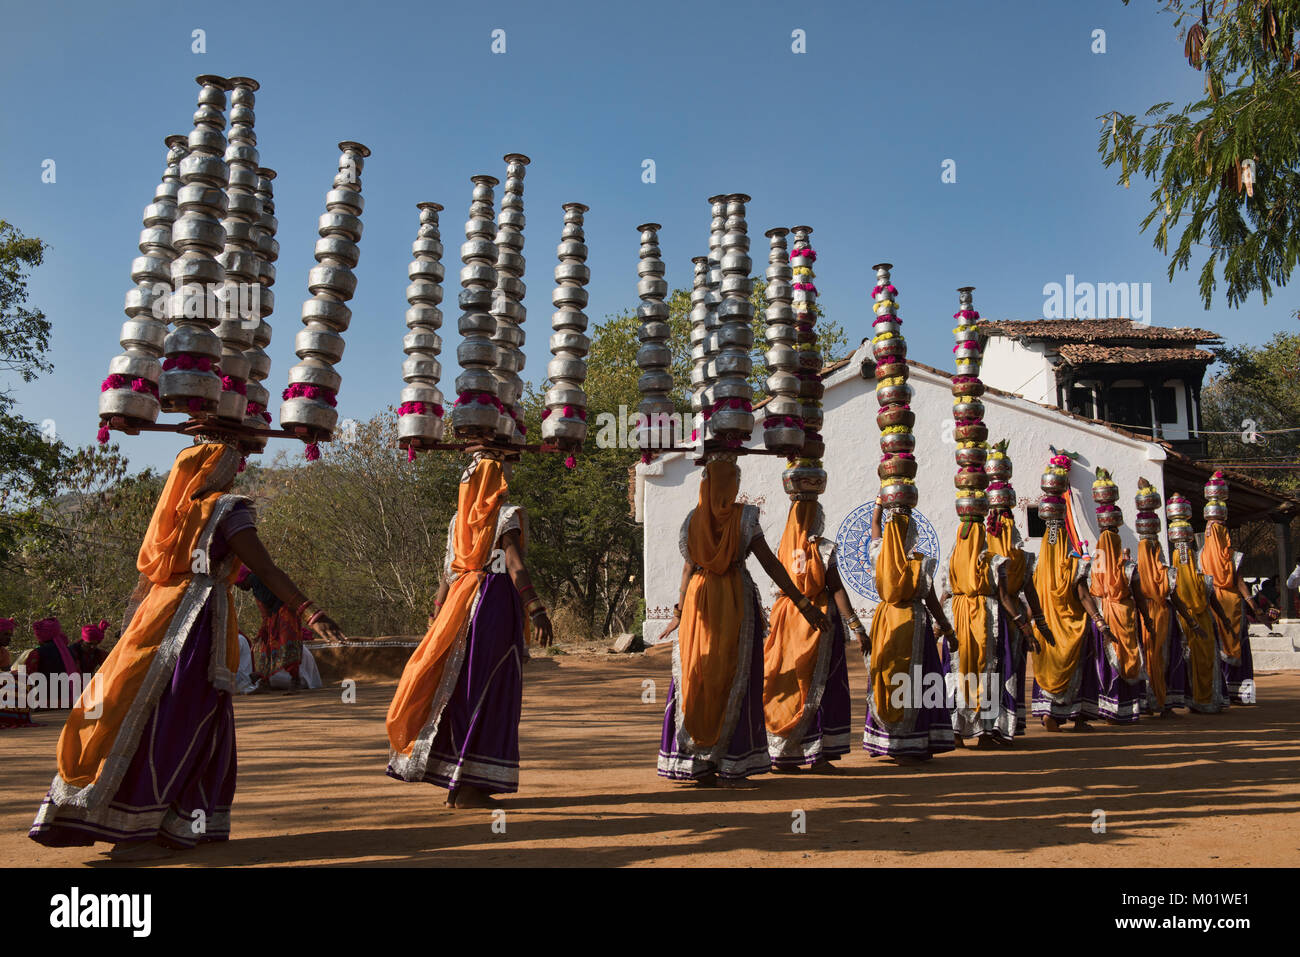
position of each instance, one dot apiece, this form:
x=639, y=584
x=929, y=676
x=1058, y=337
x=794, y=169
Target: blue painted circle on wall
x=854, y=537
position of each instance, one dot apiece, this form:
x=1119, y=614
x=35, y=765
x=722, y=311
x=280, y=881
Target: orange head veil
x=198, y=477
x=714, y=536
x=482, y=491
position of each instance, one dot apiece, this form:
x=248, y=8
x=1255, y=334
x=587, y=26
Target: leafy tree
x=29, y=462
x=1225, y=169
x=1252, y=394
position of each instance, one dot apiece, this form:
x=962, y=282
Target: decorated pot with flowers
x=967, y=407
x=892, y=415
x=1001, y=495
x=814, y=446
x=887, y=324
x=1147, y=499
x=1179, y=509
x=970, y=432
x=968, y=349
x=1051, y=508
x=804, y=480
x=1215, y=511
x=1104, y=490
x=893, y=346
x=1147, y=524
x=998, y=464
x=1109, y=516
x=1054, y=482
x=1217, y=488
x=967, y=385
x=972, y=504
x=896, y=466
x=893, y=442
x=1181, y=531
x=893, y=391
x=971, y=455
x=971, y=476
x=899, y=494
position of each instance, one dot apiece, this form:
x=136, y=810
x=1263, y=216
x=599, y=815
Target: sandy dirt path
x=1221, y=790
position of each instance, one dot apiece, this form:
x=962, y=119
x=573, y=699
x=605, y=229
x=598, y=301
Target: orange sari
x=412, y=715
x=793, y=647
x=1218, y=562
x=102, y=730
x=899, y=579
x=1153, y=592
x=971, y=583
x=1202, y=656
x=713, y=609
x=1056, y=666
x=1109, y=584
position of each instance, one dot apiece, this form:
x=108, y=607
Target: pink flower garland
x=420, y=408
x=231, y=384
x=255, y=409
x=808, y=254
x=312, y=452
x=102, y=435
x=889, y=289
x=117, y=381
x=966, y=314
x=303, y=390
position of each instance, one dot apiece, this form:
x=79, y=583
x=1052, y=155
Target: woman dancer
x=1014, y=567
x=713, y=728
x=1154, y=592
x=1222, y=564
x=1065, y=674
x=147, y=756
x=806, y=698
x=1198, y=612
x=1111, y=578
x=454, y=721
x=908, y=718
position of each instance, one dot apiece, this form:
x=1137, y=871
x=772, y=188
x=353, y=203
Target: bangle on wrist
x=315, y=618
x=307, y=603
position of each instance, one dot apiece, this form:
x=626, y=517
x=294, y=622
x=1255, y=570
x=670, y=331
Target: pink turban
x=94, y=634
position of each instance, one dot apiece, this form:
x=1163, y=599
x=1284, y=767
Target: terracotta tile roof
x=1094, y=330
x=1081, y=354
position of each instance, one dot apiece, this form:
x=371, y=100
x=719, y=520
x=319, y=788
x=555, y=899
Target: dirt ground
x=1219, y=790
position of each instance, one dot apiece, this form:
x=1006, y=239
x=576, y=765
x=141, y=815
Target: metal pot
x=973, y=455
x=902, y=495
x=969, y=432
x=1054, y=483
x=1105, y=494
x=896, y=468
x=895, y=442
x=892, y=415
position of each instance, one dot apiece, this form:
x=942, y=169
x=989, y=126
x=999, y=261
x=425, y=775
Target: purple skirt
x=1082, y=703
x=180, y=784
x=1239, y=679
x=477, y=741
x=931, y=730
x=1118, y=699
x=746, y=752
x=830, y=727
x=1006, y=717
x=1175, y=670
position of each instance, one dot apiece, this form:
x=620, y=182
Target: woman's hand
x=325, y=628
x=672, y=626
x=542, y=625
x=815, y=617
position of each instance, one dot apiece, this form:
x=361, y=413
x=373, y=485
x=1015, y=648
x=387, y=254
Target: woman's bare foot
x=734, y=783
x=785, y=769
x=1051, y=724
x=133, y=851
x=709, y=780
x=1080, y=726
x=958, y=741
x=468, y=796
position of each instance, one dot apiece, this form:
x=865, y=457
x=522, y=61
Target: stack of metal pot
x=1179, y=515
x=897, y=469
x=804, y=477
x=310, y=401
x=1105, y=493
x=1216, y=499
x=999, y=491
x=969, y=431
x=1055, y=483
x=1147, y=502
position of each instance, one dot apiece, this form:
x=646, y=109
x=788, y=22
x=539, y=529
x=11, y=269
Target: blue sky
x=850, y=137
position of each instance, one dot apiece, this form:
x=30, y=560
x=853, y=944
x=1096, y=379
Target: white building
x=667, y=488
